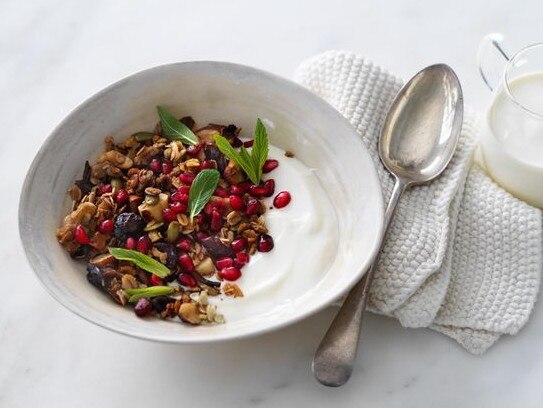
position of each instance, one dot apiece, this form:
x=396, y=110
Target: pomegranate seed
x=156, y=166
x=230, y=274
x=206, y=164
x=193, y=150
x=257, y=191
x=81, y=235
x=186, y=178
x=184, y=244
x=224, y=263
x=178, y=208
x=253, y=207
x=215, y=220
x=143, y=307
x=208, y=209
x=169, y=215
x=106, y=188
x=167, y=167
x=183, y=189
x=242, y=258
x=121, y=197
x=200, y=219
x=248, y=143
x=201, y=235
x=282, y=199
x=106, y=226
x=269, y=165
x=130, y=243
x=180, y=197
x=237, y=142
x=186, y=262
x=238, y=244
x=221, y=192
x=269, y=186
x=240, y=189
x=186, y=279
x=155, y=281
x=144, y=244
x=237, y=203
x=265, y=244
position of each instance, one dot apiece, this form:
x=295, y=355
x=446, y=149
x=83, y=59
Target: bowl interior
x=210, y=92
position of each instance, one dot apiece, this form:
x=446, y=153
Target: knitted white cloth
x=462, y=256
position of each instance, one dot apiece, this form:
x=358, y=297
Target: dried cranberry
x=159, y=303
x=81, y=235
x=237, y=142
x=170, y=251
x=230, y=274
x=216, y=248
x=186, y=279
x=143, y=307
x=265, y=243
x=248, y=143
x=121, y=197
x=239, y=244
x=202, y=235
x=269, y=165
x=106, y=226
x=282, y=199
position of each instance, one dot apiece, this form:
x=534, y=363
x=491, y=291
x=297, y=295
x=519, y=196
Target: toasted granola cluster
x=136, y=196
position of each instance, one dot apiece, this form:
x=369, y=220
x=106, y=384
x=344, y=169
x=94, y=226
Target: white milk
x=512, y=145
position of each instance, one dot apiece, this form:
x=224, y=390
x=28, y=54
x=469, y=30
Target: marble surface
x=54, y=54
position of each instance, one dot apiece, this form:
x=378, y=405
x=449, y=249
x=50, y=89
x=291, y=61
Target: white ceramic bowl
x=211, y=92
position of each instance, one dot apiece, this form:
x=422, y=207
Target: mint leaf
x=152, y=291
x=260, y=147
x=202, y=189
x=143, y=261
x=174, y=129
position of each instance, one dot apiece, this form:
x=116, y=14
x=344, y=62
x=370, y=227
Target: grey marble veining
x=54, y=54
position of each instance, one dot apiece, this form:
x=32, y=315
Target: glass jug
x=512, y=143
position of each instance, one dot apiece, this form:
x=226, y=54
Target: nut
x=129, y=282
x=192, y=164
x=116, y=159
x=154, y=212
x=188, y=312
x=231, y=289
x=103, y=260
x=205, y=267
x=153, y=225
x=152, y=191
x=233, y=218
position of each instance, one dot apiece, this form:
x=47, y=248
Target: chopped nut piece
x=233, y=218
x=206, y=266
x=231, y=289
x=152, y=191
x=188, y=312
x=129, y=282
x=288, y=153
x=154, y=212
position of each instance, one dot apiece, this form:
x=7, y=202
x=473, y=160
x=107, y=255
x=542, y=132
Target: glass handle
x=491, y=59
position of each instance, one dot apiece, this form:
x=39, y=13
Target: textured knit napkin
x=462, y=256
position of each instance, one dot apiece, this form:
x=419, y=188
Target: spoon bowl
x=418, y=137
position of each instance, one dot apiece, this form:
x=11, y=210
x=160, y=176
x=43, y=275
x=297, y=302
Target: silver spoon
x=416, y=143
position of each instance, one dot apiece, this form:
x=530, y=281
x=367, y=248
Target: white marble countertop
x=54, y=54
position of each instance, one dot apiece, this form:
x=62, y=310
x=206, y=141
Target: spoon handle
x=334, y=359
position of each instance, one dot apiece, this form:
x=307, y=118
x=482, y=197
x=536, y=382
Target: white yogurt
x=305, y=236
